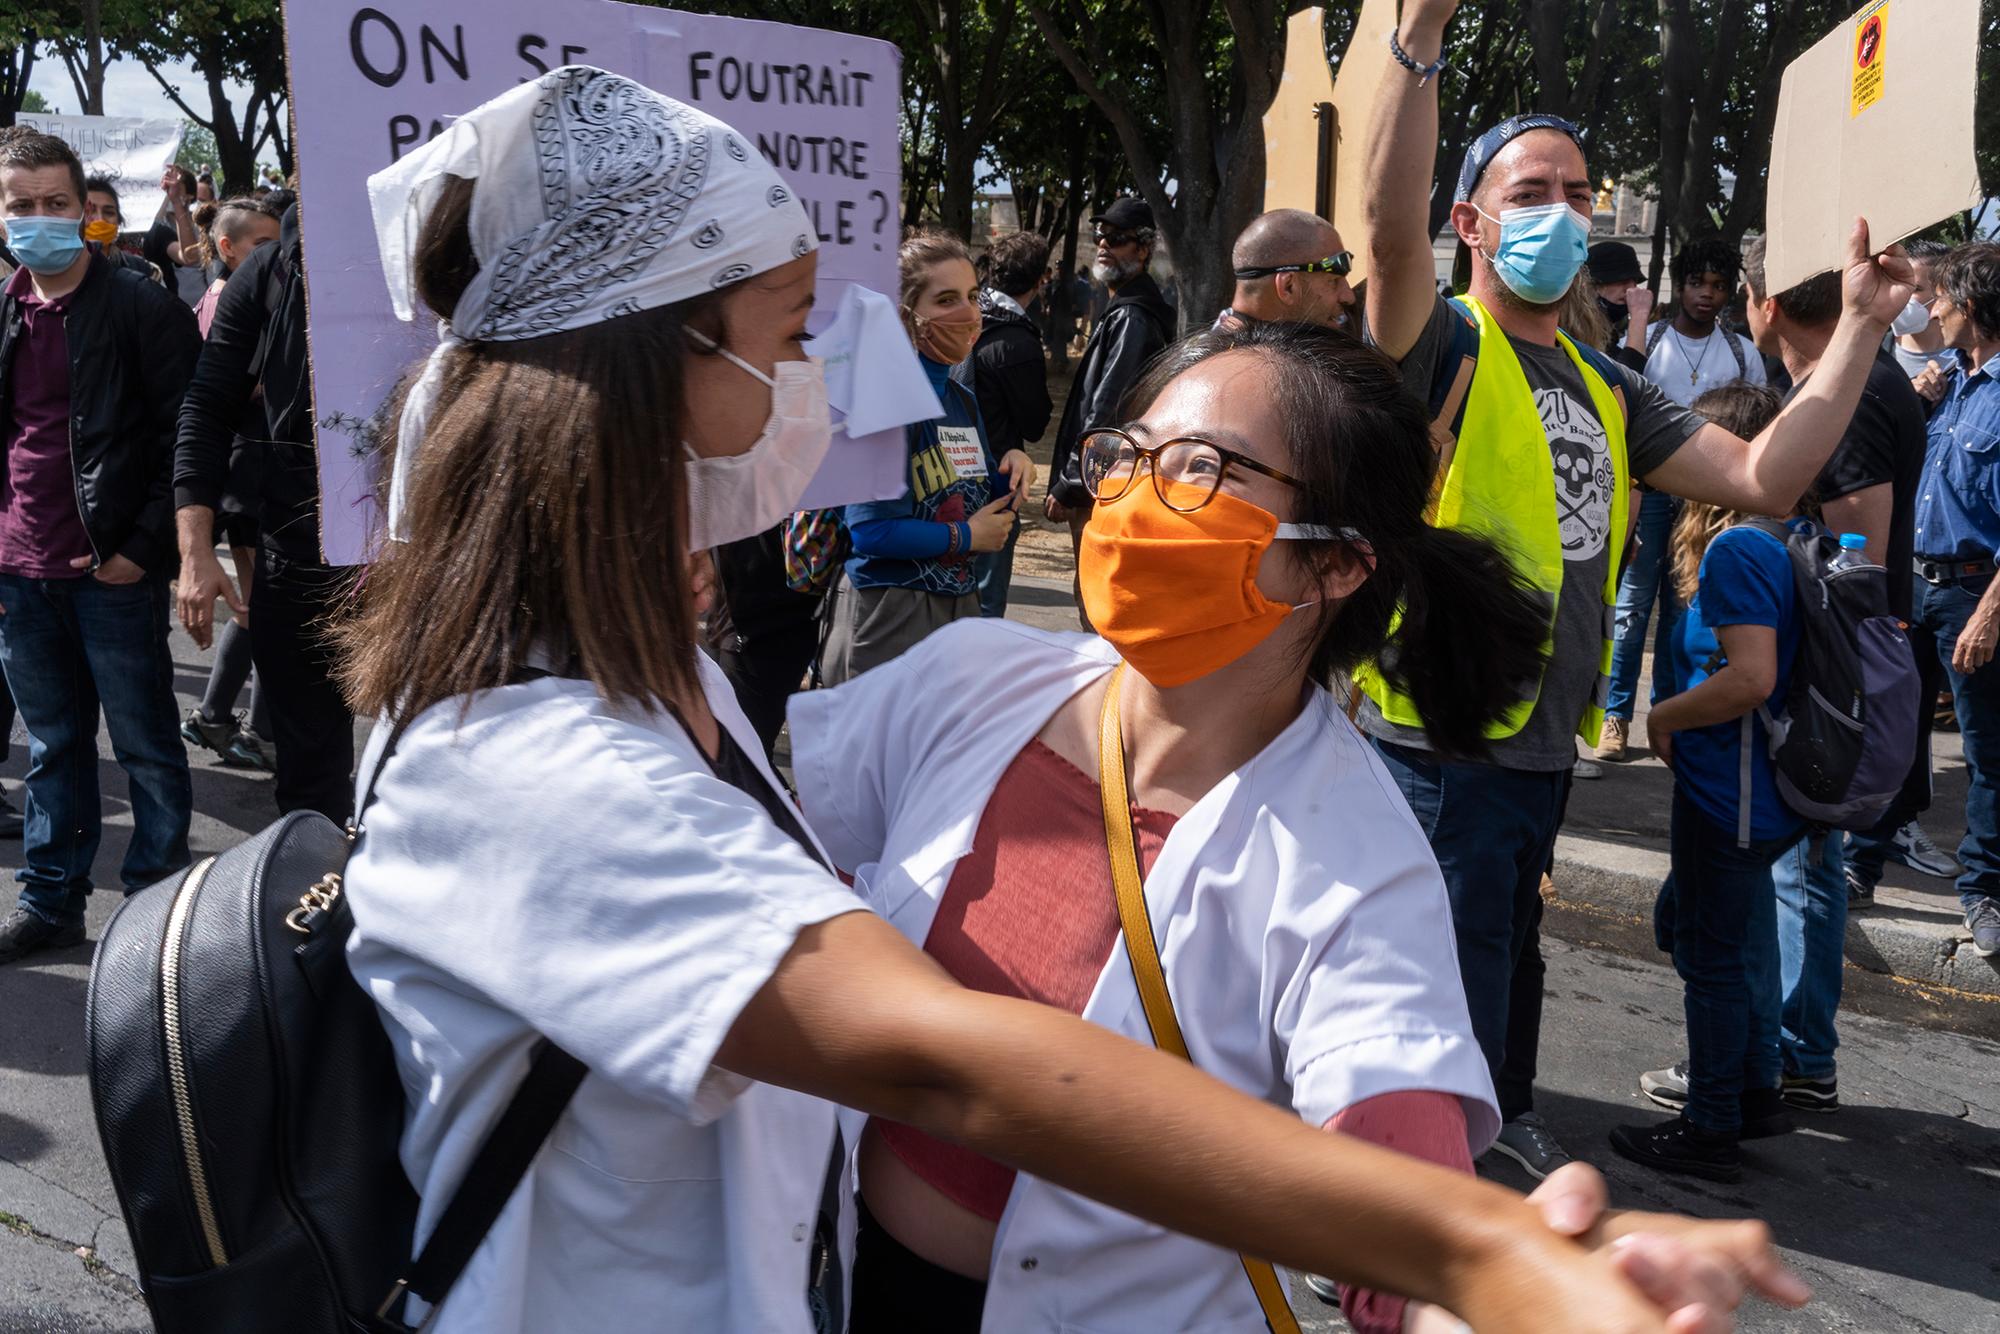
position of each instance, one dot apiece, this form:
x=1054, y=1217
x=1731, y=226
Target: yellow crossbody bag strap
x=1144, y=952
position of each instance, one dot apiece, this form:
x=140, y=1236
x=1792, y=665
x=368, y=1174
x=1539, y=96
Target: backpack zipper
x=177, y=1061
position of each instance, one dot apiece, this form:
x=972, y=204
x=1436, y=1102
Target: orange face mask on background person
x=1176, y=594
x=947, y=341
x=104, y=231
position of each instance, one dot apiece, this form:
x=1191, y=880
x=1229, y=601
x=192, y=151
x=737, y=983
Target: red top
x=41, y=528
x=1032, y=917
x=1030, y=912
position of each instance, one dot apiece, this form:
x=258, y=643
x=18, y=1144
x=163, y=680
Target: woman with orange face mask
x=1253, y=887
x=910, y=569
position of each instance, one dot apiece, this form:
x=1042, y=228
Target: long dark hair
x=547, y=509
x=1471, y=630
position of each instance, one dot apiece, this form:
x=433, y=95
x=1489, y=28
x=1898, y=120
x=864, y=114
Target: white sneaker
x=1586, y=769
x=1913, y=848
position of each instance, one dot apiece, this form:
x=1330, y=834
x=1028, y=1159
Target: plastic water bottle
x=1852, y=554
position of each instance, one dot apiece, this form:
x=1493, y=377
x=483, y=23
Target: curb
x=1621, y=881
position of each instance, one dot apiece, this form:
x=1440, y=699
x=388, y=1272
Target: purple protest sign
x=371, y=82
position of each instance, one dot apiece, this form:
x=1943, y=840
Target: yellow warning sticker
x=1871, y=32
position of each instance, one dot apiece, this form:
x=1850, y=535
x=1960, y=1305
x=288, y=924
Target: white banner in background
x=132, y=150
x=369, y=82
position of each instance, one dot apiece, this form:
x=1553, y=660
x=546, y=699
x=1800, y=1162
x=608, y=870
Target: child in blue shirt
x=911, y=568
x=1730, y=655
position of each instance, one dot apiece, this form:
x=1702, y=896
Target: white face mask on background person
x=734, y=496
x=1916, y=317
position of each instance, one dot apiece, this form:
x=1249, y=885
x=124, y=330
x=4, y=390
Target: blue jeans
x=70, y=648
x=1492, y=830
x=1725, y=929
x=995, y=572
x=1648, y=575
x=1812, y=930
x=1944, y=612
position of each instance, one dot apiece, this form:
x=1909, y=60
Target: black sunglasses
x=1338, y=265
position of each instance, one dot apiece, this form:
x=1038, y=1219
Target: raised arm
x=1769, y=474
x=1401, y=153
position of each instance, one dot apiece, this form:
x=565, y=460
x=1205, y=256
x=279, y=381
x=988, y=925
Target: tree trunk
x=955, y=195
x=1753, y=179
x=1698, y=179
x=1680, y=67
x=17, y=66
x=83, y=57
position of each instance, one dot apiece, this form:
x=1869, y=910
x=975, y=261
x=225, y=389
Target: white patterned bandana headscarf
x=597, y=198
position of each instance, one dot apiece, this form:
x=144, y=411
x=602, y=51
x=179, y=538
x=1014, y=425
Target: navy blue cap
x=1488, y=145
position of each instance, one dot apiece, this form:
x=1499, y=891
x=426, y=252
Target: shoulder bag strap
x=503, y=1159
x=1141, y=948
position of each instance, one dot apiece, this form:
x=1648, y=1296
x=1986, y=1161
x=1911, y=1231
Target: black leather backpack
x=250, y=1109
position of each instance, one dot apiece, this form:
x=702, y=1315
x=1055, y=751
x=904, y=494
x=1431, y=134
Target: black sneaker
x=210, y=734
x=1764, y=1115
x=11, y=822
x=1811, y=1095
x=23, y=934
x=1859, y=894
x=1681, y=1146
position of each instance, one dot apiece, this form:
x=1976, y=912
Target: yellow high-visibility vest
x=1500, y=483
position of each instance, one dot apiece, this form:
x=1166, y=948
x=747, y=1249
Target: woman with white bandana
x=573, y=838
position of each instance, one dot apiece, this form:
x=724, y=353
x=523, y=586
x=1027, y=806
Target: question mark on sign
x=881, y=214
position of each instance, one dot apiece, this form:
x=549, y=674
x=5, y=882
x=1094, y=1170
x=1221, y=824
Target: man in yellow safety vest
x=1540, y=441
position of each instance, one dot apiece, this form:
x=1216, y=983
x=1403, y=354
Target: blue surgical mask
x=46, y=245
x=1541, y=249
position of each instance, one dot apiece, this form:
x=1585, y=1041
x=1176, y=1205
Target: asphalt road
x=1891, y=1207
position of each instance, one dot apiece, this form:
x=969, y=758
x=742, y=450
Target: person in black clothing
x=1135, y=327
x=763, y=632
x=258, y=340
x=1870, y=487
x=1008, y=373
x=1624, y=298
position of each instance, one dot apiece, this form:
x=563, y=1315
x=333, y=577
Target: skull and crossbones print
x=1582, y=460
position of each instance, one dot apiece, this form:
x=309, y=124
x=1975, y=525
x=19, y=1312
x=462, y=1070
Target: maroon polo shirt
x=41, y=527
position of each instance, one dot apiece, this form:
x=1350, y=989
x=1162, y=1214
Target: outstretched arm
x=857, y=1014
x=1769, y=474
x=1401, y=153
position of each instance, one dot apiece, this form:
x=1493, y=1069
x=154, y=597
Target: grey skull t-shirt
x=1580, y=453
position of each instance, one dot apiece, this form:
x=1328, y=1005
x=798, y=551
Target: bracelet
x=1424, y=73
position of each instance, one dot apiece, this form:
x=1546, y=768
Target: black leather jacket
x=132, y=347
x=1135, y=327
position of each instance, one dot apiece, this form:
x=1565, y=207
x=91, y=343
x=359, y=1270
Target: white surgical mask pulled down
x=1916, y=317
x=734, y=496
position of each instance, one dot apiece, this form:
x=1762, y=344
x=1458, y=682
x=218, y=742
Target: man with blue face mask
x=1514, y=402
x=94, y=358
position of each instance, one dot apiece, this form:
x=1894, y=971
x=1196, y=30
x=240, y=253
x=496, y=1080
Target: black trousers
x=766, y=672
x=895, y=1290
x=311, y=726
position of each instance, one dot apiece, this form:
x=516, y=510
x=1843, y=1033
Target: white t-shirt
x=1686, y=368
x=551, y=865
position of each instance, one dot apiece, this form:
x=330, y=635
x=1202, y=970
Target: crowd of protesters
x=1368, y=581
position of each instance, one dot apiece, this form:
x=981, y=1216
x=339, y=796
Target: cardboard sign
x=1356, y=86
x=132, y=150
x=1855, y=138
x=1292, y=127
x=369, y=82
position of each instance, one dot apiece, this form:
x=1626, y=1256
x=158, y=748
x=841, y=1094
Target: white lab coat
x=551, y=864
x=1301, y=917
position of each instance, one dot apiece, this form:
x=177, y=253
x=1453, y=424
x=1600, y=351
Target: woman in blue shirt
x=911, y=569
x=1731, y=652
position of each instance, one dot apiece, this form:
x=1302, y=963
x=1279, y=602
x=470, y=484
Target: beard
x=1115, y=273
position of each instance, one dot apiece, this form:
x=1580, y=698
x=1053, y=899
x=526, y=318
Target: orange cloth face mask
x=1176, y=594
x=103, y=232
